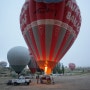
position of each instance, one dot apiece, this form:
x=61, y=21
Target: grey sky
x=10, y=35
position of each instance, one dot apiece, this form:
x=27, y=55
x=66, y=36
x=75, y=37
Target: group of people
x=45, y=79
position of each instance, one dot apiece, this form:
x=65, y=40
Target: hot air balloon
x=49, y=28
x=33, y=66
x=18, y=57
x=3, y=64
x=72, y=66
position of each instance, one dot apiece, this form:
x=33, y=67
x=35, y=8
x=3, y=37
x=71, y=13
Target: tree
x=57, y=68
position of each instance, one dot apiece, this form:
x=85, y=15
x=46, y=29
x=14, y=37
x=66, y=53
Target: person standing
x=37, y=77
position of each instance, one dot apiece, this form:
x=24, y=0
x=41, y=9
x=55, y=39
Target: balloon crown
x=49, y=1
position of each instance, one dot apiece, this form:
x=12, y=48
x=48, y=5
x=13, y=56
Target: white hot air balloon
x=18, y=57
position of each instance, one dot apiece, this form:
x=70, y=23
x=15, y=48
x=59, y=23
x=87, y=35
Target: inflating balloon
x=33, y=66
x=49, y=27
x=18, y=57
x=72, y=66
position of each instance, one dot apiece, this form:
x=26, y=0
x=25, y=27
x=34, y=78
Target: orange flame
x=46, y=70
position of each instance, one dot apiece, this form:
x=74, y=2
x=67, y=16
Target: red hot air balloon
x=49, y=27
x=72, y=66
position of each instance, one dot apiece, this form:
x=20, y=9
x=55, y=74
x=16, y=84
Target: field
x=66, y=82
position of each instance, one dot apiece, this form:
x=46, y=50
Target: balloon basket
x=46, y=79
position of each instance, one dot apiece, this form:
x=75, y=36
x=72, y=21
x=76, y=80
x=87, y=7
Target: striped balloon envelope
x=49, y=28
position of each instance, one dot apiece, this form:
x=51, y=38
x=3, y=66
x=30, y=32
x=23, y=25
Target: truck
x=20, y=81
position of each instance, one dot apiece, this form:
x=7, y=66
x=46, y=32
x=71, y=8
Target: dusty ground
x=75, y=82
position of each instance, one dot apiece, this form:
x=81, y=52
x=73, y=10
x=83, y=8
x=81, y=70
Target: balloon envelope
x=49, y=28
x=3, y=64
x=72, y=66
x=18, y=57
x=33, y=66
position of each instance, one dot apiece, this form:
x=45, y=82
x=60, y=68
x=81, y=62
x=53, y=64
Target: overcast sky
x=10, y=33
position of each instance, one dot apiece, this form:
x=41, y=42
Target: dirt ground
x=72, y=82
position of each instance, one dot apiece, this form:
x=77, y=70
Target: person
x=37, y=77
x=53, y=80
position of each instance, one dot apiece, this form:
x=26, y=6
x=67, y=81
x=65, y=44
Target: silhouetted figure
x=37, y=77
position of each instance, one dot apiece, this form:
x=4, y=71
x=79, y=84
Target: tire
x=15, y=83
x=27, y=83
x=48, y=81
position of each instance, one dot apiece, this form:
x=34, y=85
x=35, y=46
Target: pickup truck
x=19, y=81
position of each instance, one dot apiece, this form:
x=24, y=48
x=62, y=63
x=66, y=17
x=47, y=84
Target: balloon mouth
x=47, y=66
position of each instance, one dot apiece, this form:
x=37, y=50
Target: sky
x=10, y=33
